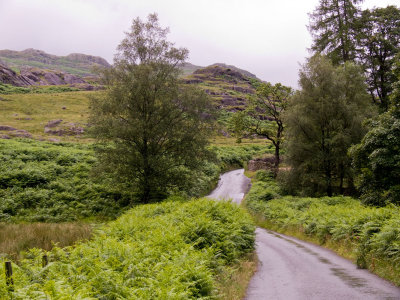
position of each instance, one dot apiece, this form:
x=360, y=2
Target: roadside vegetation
x=175, y=249
x=368, y=235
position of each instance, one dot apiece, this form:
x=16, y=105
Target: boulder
x=53, y=123
x=7, y=128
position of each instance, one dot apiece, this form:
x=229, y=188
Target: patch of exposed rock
x=34, y=76
x=60, y=128
x=14, y=132
x=49, y=77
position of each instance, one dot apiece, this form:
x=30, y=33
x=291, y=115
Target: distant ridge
x=75, y=63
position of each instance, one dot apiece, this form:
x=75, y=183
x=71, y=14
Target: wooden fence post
x=9, y=273
x=45, y=260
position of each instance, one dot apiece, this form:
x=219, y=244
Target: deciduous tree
x=263, y=117
x=154, y=128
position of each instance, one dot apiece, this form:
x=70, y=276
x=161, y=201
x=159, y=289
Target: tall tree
x=263, y=117
x=332, y=26
x=153, y=128
x=377, y=157
x=379, y=42
x=323, y=120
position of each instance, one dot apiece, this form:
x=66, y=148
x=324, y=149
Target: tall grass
x=15, y=238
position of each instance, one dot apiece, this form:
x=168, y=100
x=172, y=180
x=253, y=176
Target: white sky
x=266, y=37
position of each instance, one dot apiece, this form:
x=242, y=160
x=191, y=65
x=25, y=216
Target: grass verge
x=234, y=280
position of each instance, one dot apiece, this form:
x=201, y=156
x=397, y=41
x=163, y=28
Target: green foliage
x=379, y=41
x=264, y=188
x=172, y=250
x=323, y=120
x=377, y=161
x=47, y=182
x=236, y=156
x=41, y=181
x=374, y=231
x=158, y=129
x=7, y=89
x=263, y=117
x=377, y=157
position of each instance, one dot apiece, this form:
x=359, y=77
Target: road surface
x=293, y=269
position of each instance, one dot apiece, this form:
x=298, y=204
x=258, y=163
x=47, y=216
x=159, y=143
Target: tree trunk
x=277, y=158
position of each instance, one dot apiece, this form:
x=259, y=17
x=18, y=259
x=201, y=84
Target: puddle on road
x=348, y=279
x=300, y=246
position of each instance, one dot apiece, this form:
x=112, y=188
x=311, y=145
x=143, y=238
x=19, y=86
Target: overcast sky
x=266, y=37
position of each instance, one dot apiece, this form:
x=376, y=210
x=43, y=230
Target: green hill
x=75, y=63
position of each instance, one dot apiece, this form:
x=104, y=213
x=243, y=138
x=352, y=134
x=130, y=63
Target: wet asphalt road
x=293, y=269
x=232, y=185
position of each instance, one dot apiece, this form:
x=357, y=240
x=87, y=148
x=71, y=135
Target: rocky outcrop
x=49, y=77
x=13, y=132
x=266, y=163
x=57, y=127
x=8, y=76
x=35, y=76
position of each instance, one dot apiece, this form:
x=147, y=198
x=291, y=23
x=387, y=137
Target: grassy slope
x=369, y=236
x=31, y=112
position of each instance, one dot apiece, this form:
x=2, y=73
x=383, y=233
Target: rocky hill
x=229, y=87
x=75, y=63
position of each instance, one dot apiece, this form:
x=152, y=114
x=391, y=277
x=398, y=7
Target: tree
x=379, y=42
x=323, y=120
x=377, y=157
x=155, y=130
x=263, y=117
x=332, y=26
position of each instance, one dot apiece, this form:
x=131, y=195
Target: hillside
x=75, y=63
x=228, y=87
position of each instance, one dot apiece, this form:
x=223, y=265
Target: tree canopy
x=332, y=26
x=154, y=129
x=379, y=42
x=377, y=157
x=323, y=120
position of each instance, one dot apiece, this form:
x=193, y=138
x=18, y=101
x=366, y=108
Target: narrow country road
x=293, y=269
